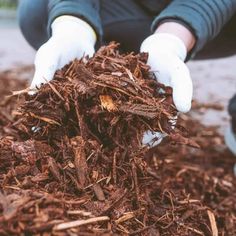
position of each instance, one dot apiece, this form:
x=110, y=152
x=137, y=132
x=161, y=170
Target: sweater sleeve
x=205, y=18
x=87, y=10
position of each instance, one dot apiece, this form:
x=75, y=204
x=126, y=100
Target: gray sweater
x=205, y=18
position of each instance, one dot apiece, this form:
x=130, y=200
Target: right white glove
x=71, y=38
x=166, y=55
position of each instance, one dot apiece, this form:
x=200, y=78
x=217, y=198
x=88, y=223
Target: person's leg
x=223, y=45
x=32, y=17
x=125, y=22
x=230, y=134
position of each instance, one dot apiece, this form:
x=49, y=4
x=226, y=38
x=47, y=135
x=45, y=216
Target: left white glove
x=71, y=38
x=166, y=55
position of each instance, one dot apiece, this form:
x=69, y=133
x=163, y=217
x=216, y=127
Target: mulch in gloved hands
x=111, y=99
x=72, y=162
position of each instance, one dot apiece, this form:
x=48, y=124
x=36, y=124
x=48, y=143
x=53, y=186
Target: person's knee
x=22, y=15
x=32, y=20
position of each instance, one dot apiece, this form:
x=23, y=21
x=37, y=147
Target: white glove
x=71, y=38
x=166, y=55
x=151, y=138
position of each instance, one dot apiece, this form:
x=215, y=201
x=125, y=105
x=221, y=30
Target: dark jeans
x=123, y=21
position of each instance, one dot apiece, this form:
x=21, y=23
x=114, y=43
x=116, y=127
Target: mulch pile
x=72, y=161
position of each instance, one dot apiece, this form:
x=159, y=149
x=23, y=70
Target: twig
x=79, y=212
x=45, y=119
x=78, y=223
x=192, y=229
x=136, y=186
x=125, y=217
x=212, y=219
x=23, y=91
x=114, y=176
x=55, y=91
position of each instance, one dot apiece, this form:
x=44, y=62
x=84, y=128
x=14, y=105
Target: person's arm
x=74, y=27
x=86, y=10
x=179, y=31
x=204, y=19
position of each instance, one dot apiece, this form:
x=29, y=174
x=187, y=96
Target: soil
x=72, y=162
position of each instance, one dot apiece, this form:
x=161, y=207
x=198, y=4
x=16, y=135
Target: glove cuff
x=65, y=24
x=164, y=42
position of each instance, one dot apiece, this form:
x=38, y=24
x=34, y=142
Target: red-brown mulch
x=72, y=162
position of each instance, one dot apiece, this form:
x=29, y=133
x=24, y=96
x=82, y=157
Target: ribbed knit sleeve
x=87, y=10
x=205, y=18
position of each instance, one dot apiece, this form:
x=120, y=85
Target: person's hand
x=166, y=55
x=71, y=38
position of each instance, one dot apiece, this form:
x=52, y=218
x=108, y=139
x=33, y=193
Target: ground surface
x=64, y=166
x=14, y=50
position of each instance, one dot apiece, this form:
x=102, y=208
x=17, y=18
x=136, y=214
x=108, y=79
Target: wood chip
x=77, y=223
x=213, y=223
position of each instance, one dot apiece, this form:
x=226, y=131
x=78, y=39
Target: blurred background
x=214, y=80
x=15, y=53
x=8, y=3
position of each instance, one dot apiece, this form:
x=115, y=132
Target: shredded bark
x=72, y=162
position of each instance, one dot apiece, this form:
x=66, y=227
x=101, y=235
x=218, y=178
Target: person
x=171, y=31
